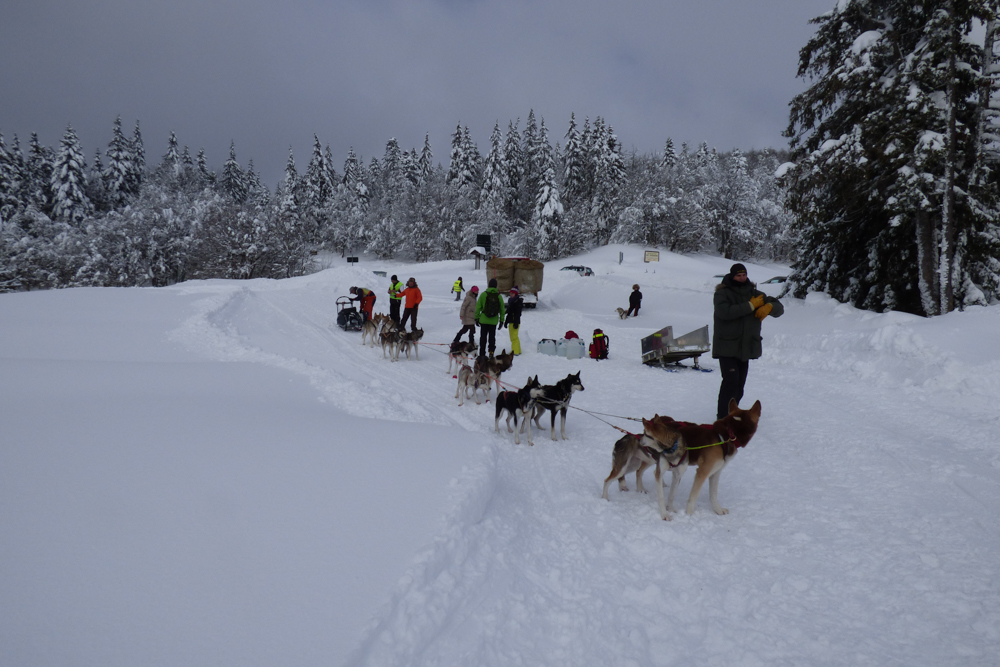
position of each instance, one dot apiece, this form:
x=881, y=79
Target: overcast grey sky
x=268, y=75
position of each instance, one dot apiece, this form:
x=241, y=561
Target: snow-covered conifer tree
x=171, y=164
x=69, y=182
x=548, y=216
x=495, y=185
x=118, y=174
x=38, y=172
x=514, y=158
x=885, y=140
x=206, y=176
x=233, y=182
x=9, y=202
x=574, y=170
x=138, y=175
x=426, y=159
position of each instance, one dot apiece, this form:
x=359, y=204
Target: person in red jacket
x=412, y=298
x=367, y=299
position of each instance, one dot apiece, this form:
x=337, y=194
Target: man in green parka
x=489, y=312
x=739, y=311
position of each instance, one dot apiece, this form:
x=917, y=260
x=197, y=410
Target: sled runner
x=662, y=349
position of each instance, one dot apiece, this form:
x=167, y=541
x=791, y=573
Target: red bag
x=599, y=348
x=570, y=334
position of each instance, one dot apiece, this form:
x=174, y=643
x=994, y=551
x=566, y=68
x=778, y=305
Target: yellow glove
x=763, y=312
x=757, y=301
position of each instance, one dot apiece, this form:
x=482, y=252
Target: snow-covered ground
x=212, y=474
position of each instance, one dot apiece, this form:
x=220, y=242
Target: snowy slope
x=211, y=474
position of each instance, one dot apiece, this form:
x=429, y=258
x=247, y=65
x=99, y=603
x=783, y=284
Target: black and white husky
x=518, y=403
x=555, y=398
x=459, y=354
x=408, y=341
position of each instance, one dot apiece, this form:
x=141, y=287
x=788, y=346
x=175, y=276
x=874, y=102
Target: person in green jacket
x=740, y=308
x=489, y=313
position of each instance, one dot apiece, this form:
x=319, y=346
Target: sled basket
x=661, y=348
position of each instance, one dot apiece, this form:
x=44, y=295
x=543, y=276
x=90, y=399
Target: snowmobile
x=348, y=317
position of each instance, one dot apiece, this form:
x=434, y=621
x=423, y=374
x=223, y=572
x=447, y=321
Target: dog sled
x=348, y=317
x=662, y=349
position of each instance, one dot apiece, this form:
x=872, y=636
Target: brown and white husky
x=711, y=447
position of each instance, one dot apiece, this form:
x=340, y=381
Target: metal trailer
x=521, y=271
x=661, y=348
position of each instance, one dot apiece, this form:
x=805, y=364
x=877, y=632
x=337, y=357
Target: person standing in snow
x=457, y=288
x=467, y=313
x=739, y=311
x=634, y=301
x=513, y=320
x=489, y=313
x=413, y=298
x=395, y=287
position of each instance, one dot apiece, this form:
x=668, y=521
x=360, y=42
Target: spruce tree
x=515, y=173
x=574, y=169
x=171, y=164
x=234, y=182
x=119, y=180
x=426, y=159
x=38, y=176
x=887, y=171
x=548, y=216
x=495, y=185
x=138, y=175
x=9, y=203
x=69, y=182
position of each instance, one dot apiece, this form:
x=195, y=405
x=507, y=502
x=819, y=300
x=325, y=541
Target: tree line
x=120, y=222
x=896, y=147
x=888, y=198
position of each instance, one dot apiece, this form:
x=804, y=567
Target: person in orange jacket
x=412, y=297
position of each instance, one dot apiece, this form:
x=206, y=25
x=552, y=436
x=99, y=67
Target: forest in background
x=118, y=221
x=888, y=199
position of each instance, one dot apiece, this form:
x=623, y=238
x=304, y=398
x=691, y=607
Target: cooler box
x=547, y=346
x=576, y=348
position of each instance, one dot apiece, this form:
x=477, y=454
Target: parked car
x=582, y=270
x=776, y=279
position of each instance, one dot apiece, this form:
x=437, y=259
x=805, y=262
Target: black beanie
x=493, y=282
x=737, y=268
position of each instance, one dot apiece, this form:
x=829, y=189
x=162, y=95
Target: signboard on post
x=485, y=242
x=352, y=260
x=651, y=256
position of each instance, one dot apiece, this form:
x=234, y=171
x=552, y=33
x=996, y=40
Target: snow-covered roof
x=478, y=250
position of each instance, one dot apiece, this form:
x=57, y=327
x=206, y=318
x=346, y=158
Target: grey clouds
x=269, y=75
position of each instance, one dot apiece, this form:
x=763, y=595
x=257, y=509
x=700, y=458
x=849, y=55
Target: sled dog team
x=665, y=443
x=394, y=340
